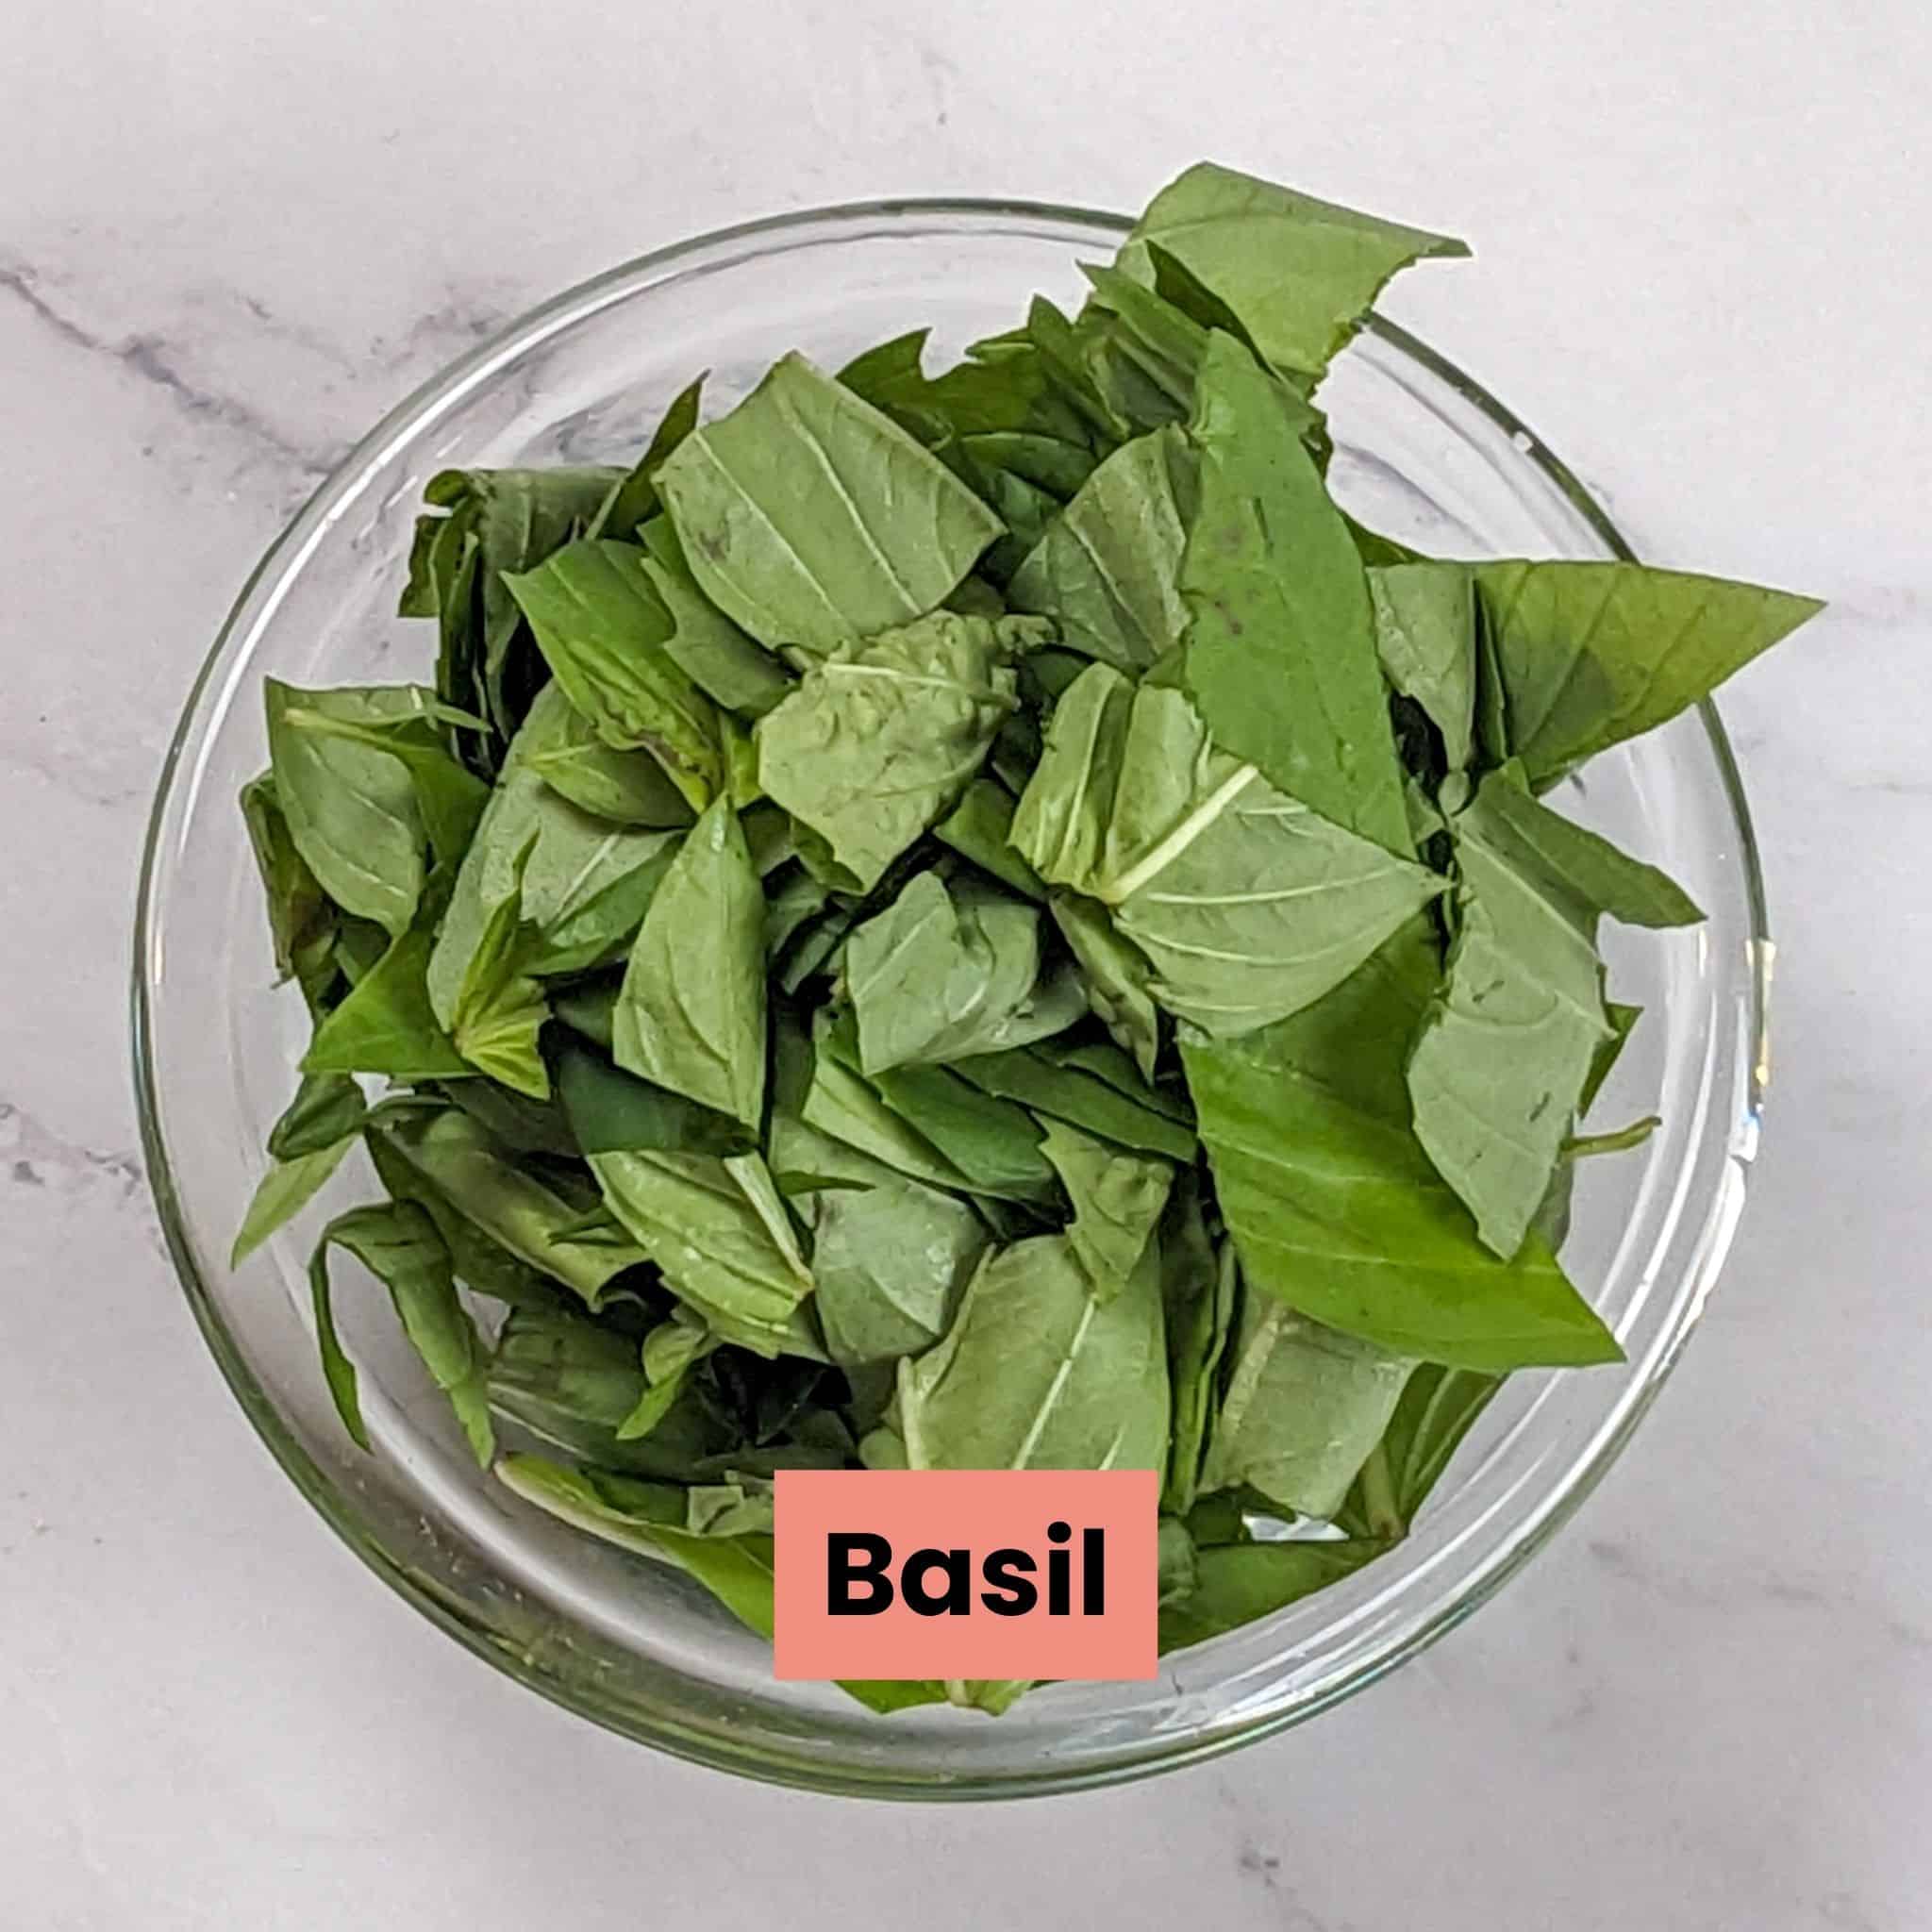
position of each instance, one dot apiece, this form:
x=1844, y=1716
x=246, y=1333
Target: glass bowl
x=1422, y=454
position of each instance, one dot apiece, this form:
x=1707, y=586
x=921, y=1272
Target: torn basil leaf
x=890, y=1254
x=1590, y=654
x=1425, y=638
x=882, y=737
x=719, y=1231
x=603, y=627
x=1041, y=1372
x=574, y=857
x=1107, y=570
x=692, y=1012
x=628, y=788
x=1500, y=1067
x=634, y=496
x=945, y=972
x=1300, y=273
x=400, y=1247
x=1280, y=654
x=1117, y=1199
x=1302, y=1408
x=1335, y=1206
x=1247, y=903
x=980, y=827
x=810, y=518
x=350, y=809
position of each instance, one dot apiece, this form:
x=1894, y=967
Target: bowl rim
x=452, y=1613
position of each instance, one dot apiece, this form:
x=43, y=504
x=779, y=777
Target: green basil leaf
x=516, y=1206
x=1142, y=354
x=795, y=1183
x=790, y=905
x=598, y=931
x=282, y=1192
x=890, y=1256
x=428, y=580
x=385, y=1024
x=1067, y=1091
x=338, y=1370
x=301, y=917
x=941, y=974
x=614, y=1112
x=590, y=1010
x=1039, y=1373
x=1590, y=654
x=1108, y=1064
x=447, y=593
x=1425, y=638
x=628, y=788
x=810, y=518
x=736, y=670
x=350, y=810
x=1118, y=977
x=574, y=859
x=601, y=627
x=1335, y=1208
x=1107, y=570
x=719, y=1231
x=993, y=1143
x=1117, y=1196
x=676, y=1345
x=507, y=522
x=1063, y=356
x=692, y=1014
x=481, y=1262
x=1239, y=1583
x=1502, y=1063
x=737, y=1570
x=978, y=828
x=398, y=1244
x=1620, y=1021
x=1248, y=904
x=1200, y=1292
x=768, y=835
x=742, y=1506
x=500, y=1010
x=1300, y=273
x=449, y=797
x=1177, y=1574
x=575, y=1386
x=1281, y=635
x=891, y=375
x=529, y=1126
x=1537, y=840
x=880, y=739
x=594, y=1225
x=840, y=1101
x=1438, y=1407
x=1302, y=1408
x=1059, y=827
x=634, y=496
x=327, y=1107
x=656, y=1405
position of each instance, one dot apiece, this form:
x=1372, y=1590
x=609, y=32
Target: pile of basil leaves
x=979, y=921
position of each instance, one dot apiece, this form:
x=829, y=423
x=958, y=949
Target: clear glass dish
x=1422, y=454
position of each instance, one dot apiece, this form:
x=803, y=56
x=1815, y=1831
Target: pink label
x=971, y=1573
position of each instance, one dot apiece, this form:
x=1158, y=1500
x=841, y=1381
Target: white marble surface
x=231, y=235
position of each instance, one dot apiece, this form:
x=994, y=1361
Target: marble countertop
x=230, y=237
